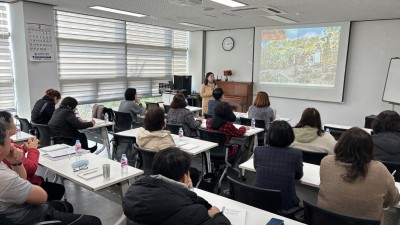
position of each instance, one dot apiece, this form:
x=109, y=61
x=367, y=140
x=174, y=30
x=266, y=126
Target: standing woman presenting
x=206, y=91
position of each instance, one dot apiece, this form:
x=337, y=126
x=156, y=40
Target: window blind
x=7, y=100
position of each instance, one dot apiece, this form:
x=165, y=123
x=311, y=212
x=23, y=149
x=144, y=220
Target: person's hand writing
x=212, y=211
x=32, y=143
x=15, y=155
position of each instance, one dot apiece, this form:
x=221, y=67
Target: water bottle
x=78, y=149
x=124, y=164
x=327, y=130
x=180, y=134
x=105, y=117
x=253, y=123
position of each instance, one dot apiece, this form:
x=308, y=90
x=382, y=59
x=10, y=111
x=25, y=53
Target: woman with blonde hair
x=261, y=110
x=206, y=91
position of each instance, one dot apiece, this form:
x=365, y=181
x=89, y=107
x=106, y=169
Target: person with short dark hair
x=152, y=135
x=66, y=125
x=386, y=136
x=261, y=110
x=278, y=165
x=132, y=104
x=206, y=91
x=217, y=94
x=354, y=184
x=44, y=108
x=178, y=114
x=309, y=135
x=165, y=198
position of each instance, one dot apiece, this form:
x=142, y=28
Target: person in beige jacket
x=151, y=136
x=206, y=91
x=309, y=135
x=354, y=184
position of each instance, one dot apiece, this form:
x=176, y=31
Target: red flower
x=227, y=72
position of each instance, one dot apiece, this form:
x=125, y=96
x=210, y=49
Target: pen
x=223, y=208
x=393, y=172
x=89, y=172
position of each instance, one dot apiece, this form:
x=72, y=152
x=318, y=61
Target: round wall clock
x=227, y=43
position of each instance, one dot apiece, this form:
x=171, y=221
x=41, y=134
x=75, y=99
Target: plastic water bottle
x=253, y=123
x=124, y=164
x=180, y=134
x=105, y=117
x=327, y=130
x=78, y=149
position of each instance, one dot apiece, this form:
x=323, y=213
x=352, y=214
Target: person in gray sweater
x=132, y=104
x=260, y=109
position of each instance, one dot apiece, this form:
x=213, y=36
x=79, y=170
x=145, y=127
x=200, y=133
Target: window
x=7, y=101
x=99, y=58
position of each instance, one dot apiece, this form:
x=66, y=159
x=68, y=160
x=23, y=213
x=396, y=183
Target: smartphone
x=275, y=221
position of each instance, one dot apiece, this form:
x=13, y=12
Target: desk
x=254, y=216
x=21, y=136
x=344, y=127
x=245, y=115
x=99, y=134
x=310, y=177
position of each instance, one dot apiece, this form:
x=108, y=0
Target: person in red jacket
x=30, y=160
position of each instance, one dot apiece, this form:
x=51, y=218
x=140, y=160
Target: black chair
x=24, y=123
x=391, y=166
x=166, y=108
x=124, y=145
x=144, y=159
x=313, y=215
x=207, y=115
x=174, y=128
x=259, y=124
x=43, y=134
x=219, y=154
x=313, y=157
x=122, y=121
x=334, y=131
x=151, y=104
x=5, y=221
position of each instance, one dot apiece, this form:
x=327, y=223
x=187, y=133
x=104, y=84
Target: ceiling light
x=194, y=25
x=281, y=19
x=117, y=11
x=229, y=3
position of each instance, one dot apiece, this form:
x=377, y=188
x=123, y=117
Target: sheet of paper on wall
x=237, y=216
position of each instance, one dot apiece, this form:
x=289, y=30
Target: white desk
x=21, y=136
x=254, y=216
x=245, y=115
x=99, y=133
x=310, y=177
x=344, y=127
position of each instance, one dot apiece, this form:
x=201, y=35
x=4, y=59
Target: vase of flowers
x=227, y=73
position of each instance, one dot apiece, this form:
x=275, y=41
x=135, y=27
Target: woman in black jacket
x=44, y=108
x=65, y=125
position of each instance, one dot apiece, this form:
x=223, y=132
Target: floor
x=105, y=204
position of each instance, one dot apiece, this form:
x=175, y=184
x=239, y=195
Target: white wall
x=31, y=78
x=195, y=56
x=372, y=44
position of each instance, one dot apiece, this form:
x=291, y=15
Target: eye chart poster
x=40, y=42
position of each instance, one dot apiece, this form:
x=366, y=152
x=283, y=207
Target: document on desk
x=235, y=215
x=91, y=173
x=54, y=147
x=188, y=146
x=62, y=152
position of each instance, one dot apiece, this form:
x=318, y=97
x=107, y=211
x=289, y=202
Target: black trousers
x=54, y=191
x=63, y=211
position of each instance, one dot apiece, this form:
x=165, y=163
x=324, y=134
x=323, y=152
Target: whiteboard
x=391, y=93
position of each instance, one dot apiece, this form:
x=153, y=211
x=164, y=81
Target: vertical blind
x=99, y=57
x=7, y=101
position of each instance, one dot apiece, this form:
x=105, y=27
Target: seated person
x=24, y=203
x=261, y=109
x=386, y=136
x=178, y=114
x=217, y=94
x=30, y=160
x=165, y=198
x=44, y=108
x=279, y=174
x=66, y=125
x=309, y=136
x=152, y=135
x=132, y=104
x=354, y=184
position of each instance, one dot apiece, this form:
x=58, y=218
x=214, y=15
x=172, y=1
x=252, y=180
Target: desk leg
x=255, y=140
x=106, y=142
x=123, y=188
x=243, y=172
x=208, y=161
x=62, y=179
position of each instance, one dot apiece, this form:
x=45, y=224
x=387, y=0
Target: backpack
x=97, y=111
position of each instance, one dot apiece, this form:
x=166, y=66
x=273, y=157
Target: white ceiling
x=218, y=17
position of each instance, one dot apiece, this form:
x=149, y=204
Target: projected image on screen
x=299, y=57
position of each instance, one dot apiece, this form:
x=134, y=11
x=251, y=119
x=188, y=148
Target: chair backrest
x=216, y=137
x=207, y=115
x=152, y=104
x=166, y=108
x=123, y=121
x=124, y=145
x=44, y=134
x=174, y=128
x=391, y=166
x=145, y=159
x=25, y=125
x=313, y=157
x=313, y=215
x=265, y=199
x=334, y=131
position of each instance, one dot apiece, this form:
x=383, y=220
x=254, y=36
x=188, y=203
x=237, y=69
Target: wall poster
x=40, y=42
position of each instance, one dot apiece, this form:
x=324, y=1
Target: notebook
x=235, y=215
x=54, y=147
x=61, y=152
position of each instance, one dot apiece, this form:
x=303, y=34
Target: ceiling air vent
x=185, y=2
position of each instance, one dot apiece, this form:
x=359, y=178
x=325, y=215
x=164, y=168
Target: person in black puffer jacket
x=165, y=198
x=44, y=108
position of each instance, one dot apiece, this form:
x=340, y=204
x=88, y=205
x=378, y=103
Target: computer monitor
x=171, y=84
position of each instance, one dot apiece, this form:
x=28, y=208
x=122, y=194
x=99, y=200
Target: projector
x=186, y=2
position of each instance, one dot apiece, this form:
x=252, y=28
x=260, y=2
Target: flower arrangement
x=227, y=73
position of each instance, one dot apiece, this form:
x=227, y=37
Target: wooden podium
x=238, y=94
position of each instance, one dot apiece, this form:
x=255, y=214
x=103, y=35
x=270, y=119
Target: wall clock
x=228, y=43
